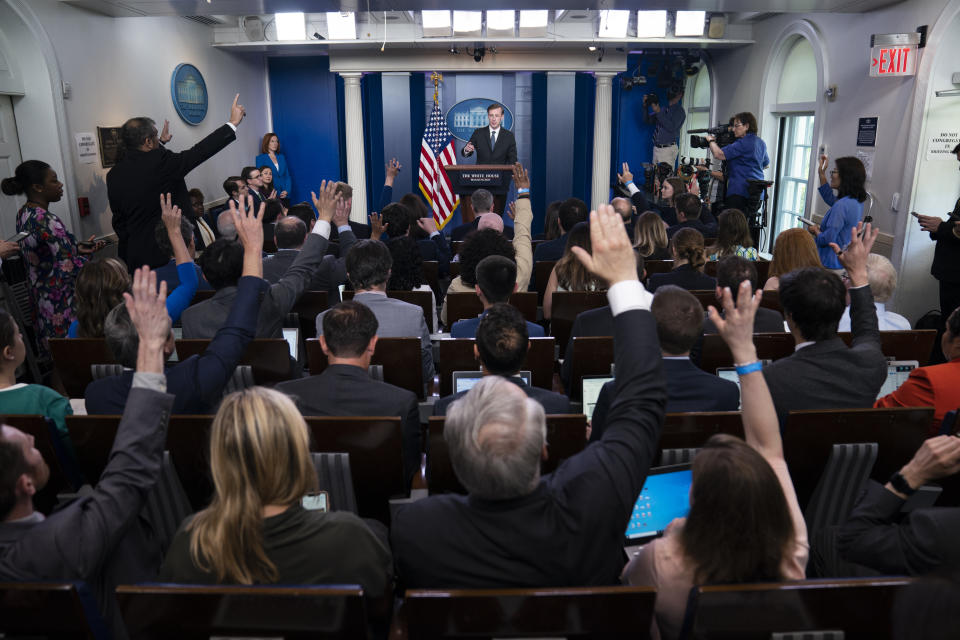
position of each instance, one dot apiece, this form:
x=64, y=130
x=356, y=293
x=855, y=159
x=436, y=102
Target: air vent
x=204, y=20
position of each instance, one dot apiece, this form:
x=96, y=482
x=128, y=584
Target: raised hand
x=377, y=226
x=612, y=258
x=854, y=257
x=169, y=212
x=326, y=201
x=735, y=326
x=510, y=212
x=249, y=223
x=393, y=168
x=626, y=176
x=236, y=111
x=165, y=134
x=823, y=163
x=427, y=224
x=468, y=149
x=147, y=306
x=8, y=248
x=341, y=214
x=520, y=177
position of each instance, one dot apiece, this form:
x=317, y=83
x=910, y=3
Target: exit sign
x=888, y=60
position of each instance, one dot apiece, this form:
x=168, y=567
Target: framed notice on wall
x=109, y=138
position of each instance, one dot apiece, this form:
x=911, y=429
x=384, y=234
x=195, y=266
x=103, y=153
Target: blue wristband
x=629, y=182
x=743, y=370
x=523, y=190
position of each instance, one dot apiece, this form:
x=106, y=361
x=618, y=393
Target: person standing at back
x=667, y=123
x=145, y=171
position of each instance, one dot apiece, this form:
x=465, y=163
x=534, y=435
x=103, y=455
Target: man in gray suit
x=823, y=373
x=290, y=233
x=222, y=264
x=368, y=268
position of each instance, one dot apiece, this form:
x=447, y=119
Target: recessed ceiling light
x=651, y=24
x=689, y=23
x=613, y=23
x=467, y=22
x=501, y=22
x=290, y=26
x=436, y=23
x=341, y=25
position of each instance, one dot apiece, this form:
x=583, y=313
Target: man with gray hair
x=482, y=202
x=883, y=280
x=516, y=528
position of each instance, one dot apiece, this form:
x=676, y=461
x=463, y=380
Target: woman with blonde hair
x=793, y=249
x=650, y=237
x=689, y=259
x=569, y=274
x=256, y=529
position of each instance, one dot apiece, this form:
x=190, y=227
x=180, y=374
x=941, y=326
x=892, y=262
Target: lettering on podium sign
x=481, y=178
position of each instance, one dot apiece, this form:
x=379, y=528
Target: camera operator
x=668, y=121
x=746, y=159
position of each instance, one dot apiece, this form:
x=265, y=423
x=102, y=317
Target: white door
x=9, y=160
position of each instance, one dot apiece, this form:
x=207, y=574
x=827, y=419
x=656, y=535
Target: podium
x=466, y=179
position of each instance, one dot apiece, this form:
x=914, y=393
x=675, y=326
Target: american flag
x=437, y=150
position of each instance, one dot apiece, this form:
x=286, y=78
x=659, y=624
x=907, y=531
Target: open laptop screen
x=591, y=391
x=665, y=496
x=292, y=336
x=897, y=373
x=464, y=380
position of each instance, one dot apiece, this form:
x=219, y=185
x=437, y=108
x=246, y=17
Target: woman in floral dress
x=52, y=254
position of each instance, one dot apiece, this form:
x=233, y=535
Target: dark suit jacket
x=198, y=381
x=552, y=402
x=828, y=374
x=345, y=390
x=685, y=277
x=168, y=273
x=551, y=249
x=946, y=254
x=95, y=538
x=766, y=321
x=504, y=153
x=689, y=388
x=876, y=536
x=134, y=186
x=360, y=232
x=436, y=248
x=708, y=230
x=461, y=232
x=538, y=539
x=588, y=324
x=202, y=320
x=331, y=273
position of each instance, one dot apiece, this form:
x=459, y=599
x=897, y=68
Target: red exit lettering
x=892, y=60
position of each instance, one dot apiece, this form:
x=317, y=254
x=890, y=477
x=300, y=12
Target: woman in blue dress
x=846, y=208
x=271, y=157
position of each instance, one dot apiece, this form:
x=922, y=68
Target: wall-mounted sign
x=894, y=54
x=867, y=132
x=470, y=114
x=109, y=138
x=86, y=147
x=940, y=144
x=189, y=93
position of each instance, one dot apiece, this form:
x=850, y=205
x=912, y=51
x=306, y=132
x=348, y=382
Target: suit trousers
x=666, y=154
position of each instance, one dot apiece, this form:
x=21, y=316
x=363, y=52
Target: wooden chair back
x=566, y=306
x=400, y=358
x=541, y=274
x=65, y=611
x=809, y=436
x=591, y=356
x=599, y=613
x=566, y=437
x=692, y=430
x=455, y=247
x=858, y=607
x=457, y=355
x=431, y=274
x=72, y=358
x=268, y=357
x=763, y=269
x=160, y=611
x=309, y=305
x=376, y=462
x=903, y=345
x=422, y=299
x=463, y=305
x=770, y=346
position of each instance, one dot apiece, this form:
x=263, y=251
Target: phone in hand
x=107, y=239
x=18, y=237
x=807, y=221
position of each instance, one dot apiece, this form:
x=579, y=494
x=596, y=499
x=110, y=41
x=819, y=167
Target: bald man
x=627, y=211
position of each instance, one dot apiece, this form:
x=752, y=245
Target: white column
x=601, y=139
x=356, y=163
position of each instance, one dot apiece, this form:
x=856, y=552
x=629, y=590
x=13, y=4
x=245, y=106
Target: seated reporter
x=501, y=347
x=689, y=260
x=95, y=538
x=516, y=528
x=691, y=214
x=496, y=280
x=767, y=540
x=733, y=270
x=256, y=530
x=290, y=234
x=569, y=274
x=198, y=381
x=882, y=276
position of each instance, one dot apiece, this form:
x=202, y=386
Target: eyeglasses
x=739, y=124
x=834, y=172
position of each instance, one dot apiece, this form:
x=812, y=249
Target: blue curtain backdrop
x=306, y=101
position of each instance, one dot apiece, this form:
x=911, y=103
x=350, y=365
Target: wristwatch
x=900, y=484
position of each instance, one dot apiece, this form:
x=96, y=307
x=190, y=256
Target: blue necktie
x=493, y=139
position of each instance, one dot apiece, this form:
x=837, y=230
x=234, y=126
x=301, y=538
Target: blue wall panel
x=303, y=99
x=584, y=110
x=373, y=137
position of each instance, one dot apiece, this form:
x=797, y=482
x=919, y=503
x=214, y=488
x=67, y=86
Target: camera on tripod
x=691, y=169
x=722, y=132
x=651, y=98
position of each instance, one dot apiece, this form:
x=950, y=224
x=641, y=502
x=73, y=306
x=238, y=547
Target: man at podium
x=493, y=144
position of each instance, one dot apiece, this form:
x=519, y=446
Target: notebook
x=665, y=496
x=591, y=391
x=464, y=380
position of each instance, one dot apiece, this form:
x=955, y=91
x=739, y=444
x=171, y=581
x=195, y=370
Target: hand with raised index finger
x=236, y=111
x=612, y=258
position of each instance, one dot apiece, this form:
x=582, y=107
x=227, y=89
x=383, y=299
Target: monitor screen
x=897, y=373
x=591, y=391
x=292, y=336
x=464, y=380
x=665, y=496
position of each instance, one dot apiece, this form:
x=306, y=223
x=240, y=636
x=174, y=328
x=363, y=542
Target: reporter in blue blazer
x=270, y=157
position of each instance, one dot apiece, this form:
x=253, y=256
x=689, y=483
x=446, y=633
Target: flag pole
x=436, y=77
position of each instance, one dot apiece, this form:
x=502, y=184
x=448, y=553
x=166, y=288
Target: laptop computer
x=730, y=373
x=591, y=391
x=664, y=497
x=292, y=336
x=897, y=373
x=464, y=380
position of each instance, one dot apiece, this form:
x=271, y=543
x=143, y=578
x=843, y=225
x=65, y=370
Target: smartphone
x=807, y=221
x=315, y=501
x=20, y=236
x=108, y=239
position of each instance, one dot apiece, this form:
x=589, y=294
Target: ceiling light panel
x=533, y=24
x=689, y=23
x=467, y=23
x=290, y=26
x=500, y=22
x=651, y=24
x=436, y=23
x=613, y=23
x=341, y=25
